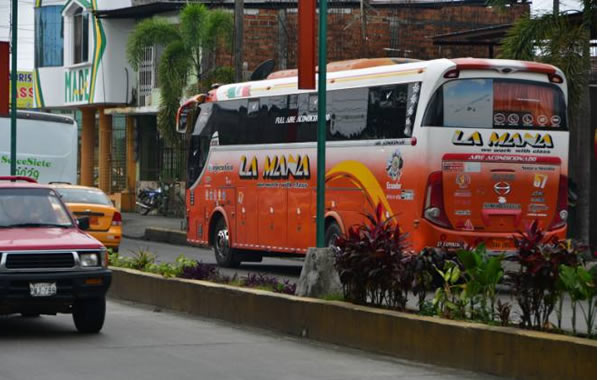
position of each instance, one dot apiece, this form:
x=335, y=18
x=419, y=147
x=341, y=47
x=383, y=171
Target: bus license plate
x=42, y=289
x=501, y=244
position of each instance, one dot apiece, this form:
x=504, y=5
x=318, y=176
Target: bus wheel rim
x=222, y=242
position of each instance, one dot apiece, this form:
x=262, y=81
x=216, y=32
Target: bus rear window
x=497, y=103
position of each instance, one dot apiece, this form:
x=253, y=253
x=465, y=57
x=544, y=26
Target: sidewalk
x=135, y=225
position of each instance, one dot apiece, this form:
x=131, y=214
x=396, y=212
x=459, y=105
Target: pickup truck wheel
x=88, y=315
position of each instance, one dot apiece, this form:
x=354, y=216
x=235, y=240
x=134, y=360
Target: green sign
x=77, y=85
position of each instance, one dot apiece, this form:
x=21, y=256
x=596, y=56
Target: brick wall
x=406, y=30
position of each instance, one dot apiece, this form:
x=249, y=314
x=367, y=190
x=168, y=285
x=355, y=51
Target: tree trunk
x=239, y=39
x=584, y=143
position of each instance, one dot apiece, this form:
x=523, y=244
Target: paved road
x=287, y=269
x=137, y=343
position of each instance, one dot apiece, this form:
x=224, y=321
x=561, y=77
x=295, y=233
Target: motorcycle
x=152, y=199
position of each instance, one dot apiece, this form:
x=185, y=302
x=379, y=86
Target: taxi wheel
x=89, y=314
x=224, y=254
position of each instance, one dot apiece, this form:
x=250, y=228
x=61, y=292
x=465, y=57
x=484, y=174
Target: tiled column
x=88, y=128
x=128, y=196
x=104, y=151
x=130, y=154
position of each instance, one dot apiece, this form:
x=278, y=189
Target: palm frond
x=218, y=28
x=193, y=20
x=173, y=72
x=526, y=35
x=153, y=31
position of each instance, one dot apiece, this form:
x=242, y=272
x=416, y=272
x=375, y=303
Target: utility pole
x=13, y=92
x=555, y=7
x=322, y=126
x=239, y=39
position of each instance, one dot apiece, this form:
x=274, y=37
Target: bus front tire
x=224, y=254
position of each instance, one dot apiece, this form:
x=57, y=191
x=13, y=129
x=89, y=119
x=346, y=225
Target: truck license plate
x=42, y=289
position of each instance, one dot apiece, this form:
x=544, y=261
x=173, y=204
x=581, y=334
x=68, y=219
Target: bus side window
x=348, y=115
x=227, y=119
x=306, y=123
x=391, y=110
x=276, y=124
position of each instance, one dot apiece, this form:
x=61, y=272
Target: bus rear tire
x=224, y=254
x=332, y=232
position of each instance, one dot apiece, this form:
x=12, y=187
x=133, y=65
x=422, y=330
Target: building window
x=80, y=36
x=48, y=36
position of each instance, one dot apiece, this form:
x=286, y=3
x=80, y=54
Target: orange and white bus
x=458, y=151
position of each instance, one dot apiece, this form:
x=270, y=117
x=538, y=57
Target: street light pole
x=13, y=91
x=322, y=131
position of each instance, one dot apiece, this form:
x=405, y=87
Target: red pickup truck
x=48, y=264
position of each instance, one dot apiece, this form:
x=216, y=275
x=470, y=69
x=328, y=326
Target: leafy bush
x=425, y=277
x=140, y=260
x=373, y=262
x=482, y=274
x=535, y=285
x=580, y=284
x=201, y=271
x=450, y=300
x=265, y=282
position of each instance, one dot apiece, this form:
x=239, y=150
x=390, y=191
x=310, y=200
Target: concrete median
x=501, y=351
x=164, y=235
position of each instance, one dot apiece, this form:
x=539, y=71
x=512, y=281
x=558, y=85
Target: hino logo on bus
x=502, y=188
x=504, y=140
x=276, y=167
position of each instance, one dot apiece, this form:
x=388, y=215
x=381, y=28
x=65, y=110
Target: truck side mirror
x=83, y=223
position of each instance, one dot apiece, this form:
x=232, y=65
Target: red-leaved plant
x=373, y=262
x=535, y=285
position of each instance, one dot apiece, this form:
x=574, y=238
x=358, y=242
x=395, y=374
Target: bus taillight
x=434, y=201
x=562, y=205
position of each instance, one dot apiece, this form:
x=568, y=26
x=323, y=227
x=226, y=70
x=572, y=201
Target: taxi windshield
x=32, y=208
x=82, y=195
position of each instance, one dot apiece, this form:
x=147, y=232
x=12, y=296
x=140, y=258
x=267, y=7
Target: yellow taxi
x=105, y=219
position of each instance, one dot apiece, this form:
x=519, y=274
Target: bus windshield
x=199, y=144
x=497, y=103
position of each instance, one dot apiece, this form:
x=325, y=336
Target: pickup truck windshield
x=32, y=208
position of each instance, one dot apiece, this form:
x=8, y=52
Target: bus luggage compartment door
x=272, y=218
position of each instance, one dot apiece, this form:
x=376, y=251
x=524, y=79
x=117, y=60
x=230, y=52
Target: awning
x=147, y=110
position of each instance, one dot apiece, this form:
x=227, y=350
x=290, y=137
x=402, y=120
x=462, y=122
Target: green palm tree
x=200, y=32
x=552, y=38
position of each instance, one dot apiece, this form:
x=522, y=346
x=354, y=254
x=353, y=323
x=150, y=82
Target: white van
x=46, y=147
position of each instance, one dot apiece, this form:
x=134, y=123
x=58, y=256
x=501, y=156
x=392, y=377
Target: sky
x=25, y=31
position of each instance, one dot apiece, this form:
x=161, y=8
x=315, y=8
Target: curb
x=501, y=351
x=161, y=235
x=165, y=235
